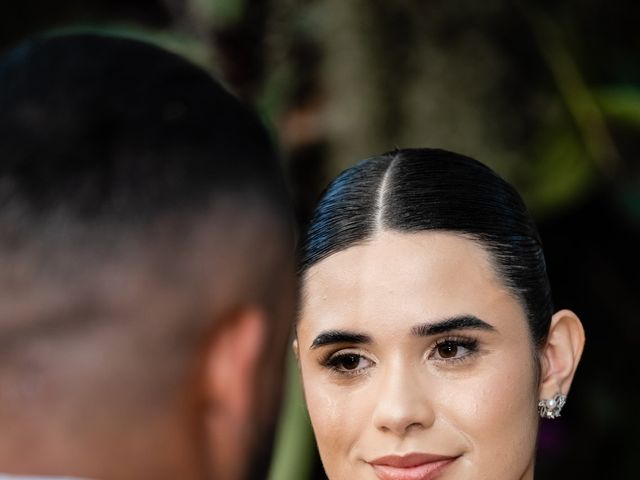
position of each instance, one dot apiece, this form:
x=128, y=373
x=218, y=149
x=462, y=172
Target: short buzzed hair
x=123, y=169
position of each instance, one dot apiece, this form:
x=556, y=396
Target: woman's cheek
x=496, y=412
x=325, y=411
x=339, y=416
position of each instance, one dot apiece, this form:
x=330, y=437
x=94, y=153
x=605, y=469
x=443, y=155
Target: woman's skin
x=412, y=348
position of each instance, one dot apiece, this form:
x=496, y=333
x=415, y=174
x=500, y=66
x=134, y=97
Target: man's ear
x=229, y=371
x=561, y=354
x=232, y=363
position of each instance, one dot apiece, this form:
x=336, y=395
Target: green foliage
x=219, y=12
x=175, y=41
x=620, y=104
x=561, y=171
x=294, y=453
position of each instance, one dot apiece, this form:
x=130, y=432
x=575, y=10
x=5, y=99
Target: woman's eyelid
x=468, y=343
x=459, y=338
x=336, y=361
x=351, y=351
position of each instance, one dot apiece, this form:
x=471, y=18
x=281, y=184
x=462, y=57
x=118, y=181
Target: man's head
x=145, y=265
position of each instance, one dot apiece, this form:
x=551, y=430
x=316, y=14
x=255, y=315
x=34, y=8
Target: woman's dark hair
x=414, y=190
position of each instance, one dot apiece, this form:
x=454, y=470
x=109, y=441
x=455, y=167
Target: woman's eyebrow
x=462, y=322
x=329, y=337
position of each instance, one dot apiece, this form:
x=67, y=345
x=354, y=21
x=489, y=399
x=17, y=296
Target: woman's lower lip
x=426, y=471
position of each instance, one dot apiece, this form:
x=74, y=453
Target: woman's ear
x=561, y=354
x=295, y=348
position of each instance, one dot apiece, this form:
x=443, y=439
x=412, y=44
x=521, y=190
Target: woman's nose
x=404, y=404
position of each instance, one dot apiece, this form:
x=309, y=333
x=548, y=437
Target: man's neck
x=28, y=477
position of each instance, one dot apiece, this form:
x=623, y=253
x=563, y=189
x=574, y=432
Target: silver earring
x=552, y=407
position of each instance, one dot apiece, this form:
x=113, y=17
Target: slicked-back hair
x=414, y=190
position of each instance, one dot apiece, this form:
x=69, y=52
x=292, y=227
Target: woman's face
x=417, y=363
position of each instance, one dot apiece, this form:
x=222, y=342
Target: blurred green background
x=547, y=93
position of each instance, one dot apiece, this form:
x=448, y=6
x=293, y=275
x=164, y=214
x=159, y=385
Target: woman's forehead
x=404, y=277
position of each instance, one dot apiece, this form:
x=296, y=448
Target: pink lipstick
x=414, y=466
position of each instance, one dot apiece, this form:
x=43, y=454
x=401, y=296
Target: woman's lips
x=415, y=466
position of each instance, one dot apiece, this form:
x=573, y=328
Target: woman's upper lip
x=409, y=460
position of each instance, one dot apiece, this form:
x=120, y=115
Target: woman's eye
x=454, y=349
x=448, y=350
x=349, y=362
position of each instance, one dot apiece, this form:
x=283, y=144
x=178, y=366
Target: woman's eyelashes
x=446, y=351
x=348, y=363
x=453, y=349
